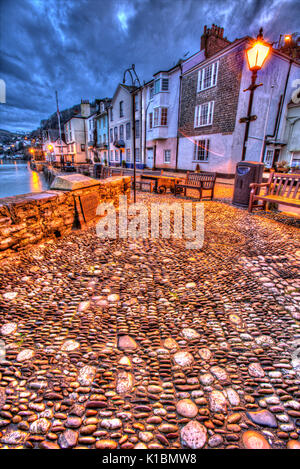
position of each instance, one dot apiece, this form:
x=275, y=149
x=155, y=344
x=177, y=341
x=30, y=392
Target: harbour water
x=16, y=178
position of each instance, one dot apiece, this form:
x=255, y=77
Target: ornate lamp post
x=133, y=81
x=256, y=57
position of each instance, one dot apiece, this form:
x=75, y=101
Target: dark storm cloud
x=82, y=47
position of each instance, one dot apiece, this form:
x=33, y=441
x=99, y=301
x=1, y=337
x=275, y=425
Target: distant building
x=120, y=127
x=77, y=134
x=101, y=130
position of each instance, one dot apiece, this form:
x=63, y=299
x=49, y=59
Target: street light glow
x=256, y=55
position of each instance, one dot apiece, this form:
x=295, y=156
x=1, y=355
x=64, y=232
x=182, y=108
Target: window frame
x=164, y=80
x=128, y=131
x=165, y=160
x=210, y=114
x=213, y=79
x=150, y=120
x=121, y=132
x=121, y=109
x=206, y=151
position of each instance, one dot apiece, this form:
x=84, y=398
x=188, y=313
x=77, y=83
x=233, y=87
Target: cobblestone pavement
x=145, y=344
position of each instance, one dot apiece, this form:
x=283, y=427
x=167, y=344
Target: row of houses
x=188, y=117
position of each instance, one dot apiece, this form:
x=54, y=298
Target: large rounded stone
x=9, y=328
x=193, y=435
x=24, y=355
x=183, y=358
x=86, y=375
x=254, y=440
x=217, y=401
x=187, y=408
x=190, y=334
x=125, y=342
x=256, y=370
x=124, y=382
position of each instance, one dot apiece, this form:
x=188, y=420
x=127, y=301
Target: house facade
x=160, y=118
x=102, y=131
x=213, y=101
x=56, y=150
x=120, y=127
x=291, y=151
x=79, y=134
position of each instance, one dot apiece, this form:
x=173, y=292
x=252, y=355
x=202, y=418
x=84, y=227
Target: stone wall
x=30, y=218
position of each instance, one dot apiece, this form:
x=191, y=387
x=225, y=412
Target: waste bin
x=97, y=170
x=246, y=173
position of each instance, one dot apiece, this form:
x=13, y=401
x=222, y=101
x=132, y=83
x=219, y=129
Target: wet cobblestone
x=145, y=344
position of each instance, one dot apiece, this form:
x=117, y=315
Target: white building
x=120, y=127
x=77, y=133
x=160, y=118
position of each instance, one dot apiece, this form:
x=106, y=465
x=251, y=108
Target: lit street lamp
x=256, y=57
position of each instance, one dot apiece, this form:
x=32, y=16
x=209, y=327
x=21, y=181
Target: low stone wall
x=30, y=218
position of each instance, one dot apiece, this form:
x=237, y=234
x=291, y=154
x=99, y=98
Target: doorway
x=150, y=158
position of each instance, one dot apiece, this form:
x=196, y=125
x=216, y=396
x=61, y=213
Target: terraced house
x=120, y=127
x=102, y=131
x=160, y=122
x=213, y=101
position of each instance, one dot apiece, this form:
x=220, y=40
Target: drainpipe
x=178, y=117
x=141, y=123
x=145, y=132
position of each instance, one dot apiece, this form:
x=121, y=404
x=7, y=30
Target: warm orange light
x=257, y=54
x=31, y=150
x=50, y=147
x=287, y=37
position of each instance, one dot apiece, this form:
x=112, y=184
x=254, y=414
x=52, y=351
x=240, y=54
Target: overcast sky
x=82, y=47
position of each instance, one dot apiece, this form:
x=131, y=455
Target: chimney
x=85, y=108
x=212, y=40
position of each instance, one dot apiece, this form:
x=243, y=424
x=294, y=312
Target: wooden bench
x=198, y=181
x=281, y=188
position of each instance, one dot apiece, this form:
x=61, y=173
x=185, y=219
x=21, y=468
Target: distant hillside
x=6, y=136
x=65, y=115
x=52, y=121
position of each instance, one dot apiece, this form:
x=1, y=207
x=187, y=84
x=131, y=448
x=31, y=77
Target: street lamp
x=256, y=57
x=133, y=81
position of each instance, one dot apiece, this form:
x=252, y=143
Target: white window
x=165, y=84
x=204, y=114
x=128, y=155
x=269, y=158
x=137, y=154
x=167, y=156
x=111, y=155
x=151, y=91
x=201, y=150
x=156, y=116
x=207, y=77
x=160, y=116
x=157, y=86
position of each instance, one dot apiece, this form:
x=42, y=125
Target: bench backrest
x=196, y=179
x=285, y=185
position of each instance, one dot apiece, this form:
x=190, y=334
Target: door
x=150, y=157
